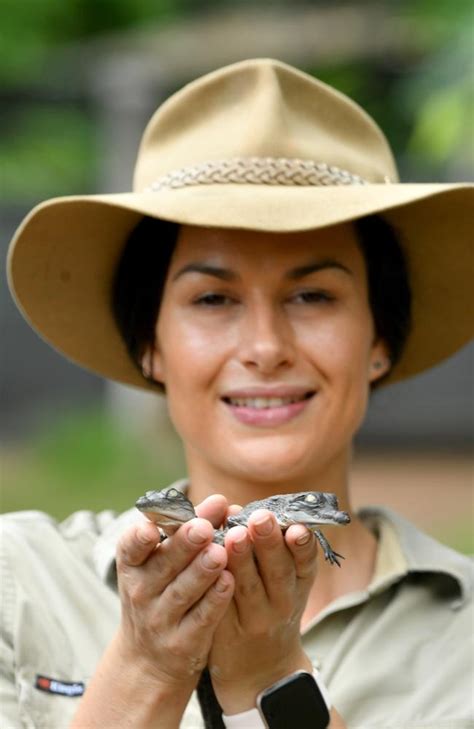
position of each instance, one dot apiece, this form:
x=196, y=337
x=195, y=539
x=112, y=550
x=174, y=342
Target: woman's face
x=266, y=346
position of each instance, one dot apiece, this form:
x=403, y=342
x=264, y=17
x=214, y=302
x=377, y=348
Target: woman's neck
x=242, y=488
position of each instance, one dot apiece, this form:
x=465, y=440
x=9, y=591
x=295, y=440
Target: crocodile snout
x=333, y=517
x=142, y=502
x=341, y=517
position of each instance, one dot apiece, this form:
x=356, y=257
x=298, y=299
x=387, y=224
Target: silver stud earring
x=378, y=364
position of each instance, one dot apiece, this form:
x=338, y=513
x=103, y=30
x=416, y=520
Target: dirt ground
x=434, y=491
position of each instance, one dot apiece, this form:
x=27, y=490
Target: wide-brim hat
x=255, y=145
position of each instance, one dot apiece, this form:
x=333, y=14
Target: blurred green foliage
x=32, y=29
x=85, y=460
x=438, y=20
x=444, y=121
x=425, y=104
x=47, y=151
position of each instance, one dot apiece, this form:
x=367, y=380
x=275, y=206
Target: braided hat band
x=257, y=171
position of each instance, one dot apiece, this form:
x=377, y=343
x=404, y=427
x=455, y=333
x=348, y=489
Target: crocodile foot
x=332, y=557
x=329, y=554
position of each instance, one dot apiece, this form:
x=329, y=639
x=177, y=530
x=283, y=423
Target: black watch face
x=296, y=702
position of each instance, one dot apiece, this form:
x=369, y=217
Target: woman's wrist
x=240, y=695
x=253, y=719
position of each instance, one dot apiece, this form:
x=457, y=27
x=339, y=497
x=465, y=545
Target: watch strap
x=250, y=719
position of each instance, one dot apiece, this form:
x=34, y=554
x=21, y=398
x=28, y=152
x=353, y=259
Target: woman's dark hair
x=388, y=283
x=139, y=283
x=141, y=274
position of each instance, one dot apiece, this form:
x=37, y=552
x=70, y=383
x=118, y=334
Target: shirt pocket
x=48, y=699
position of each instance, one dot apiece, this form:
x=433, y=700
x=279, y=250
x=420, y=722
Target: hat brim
x=63, y=258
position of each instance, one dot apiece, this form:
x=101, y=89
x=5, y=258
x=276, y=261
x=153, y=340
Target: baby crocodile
x=170, y=508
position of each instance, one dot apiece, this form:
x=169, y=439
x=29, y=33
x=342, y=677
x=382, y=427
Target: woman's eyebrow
x=293, y=274
x=209, y=270
x=314, y=266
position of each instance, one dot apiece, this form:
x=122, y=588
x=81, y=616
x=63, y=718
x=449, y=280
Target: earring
x=146, y=372
x=378, y=364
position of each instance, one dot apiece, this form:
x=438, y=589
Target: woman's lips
x=272, y=414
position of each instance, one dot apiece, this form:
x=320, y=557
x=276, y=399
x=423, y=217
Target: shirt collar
x=404, y=549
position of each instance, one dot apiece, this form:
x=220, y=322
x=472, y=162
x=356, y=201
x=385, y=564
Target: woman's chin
x=269, y=466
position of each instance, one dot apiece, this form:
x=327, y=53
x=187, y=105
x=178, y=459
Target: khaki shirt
x=398, y=655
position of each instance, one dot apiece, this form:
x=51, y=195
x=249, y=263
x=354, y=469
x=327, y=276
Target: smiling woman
x=264, y=279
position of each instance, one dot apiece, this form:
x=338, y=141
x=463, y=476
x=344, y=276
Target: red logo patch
x=43, y=683
x=61, y=688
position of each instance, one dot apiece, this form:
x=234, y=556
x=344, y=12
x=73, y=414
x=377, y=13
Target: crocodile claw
x=329, y=554
x=332, y=556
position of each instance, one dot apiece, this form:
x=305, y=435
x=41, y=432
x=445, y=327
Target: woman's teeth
x=259, y=403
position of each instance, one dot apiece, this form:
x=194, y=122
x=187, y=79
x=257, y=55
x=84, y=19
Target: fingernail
x=303, y=539
x=221, y=585
x=197, y=535
x=264, y=526
x=209, y=561
x=240, y=544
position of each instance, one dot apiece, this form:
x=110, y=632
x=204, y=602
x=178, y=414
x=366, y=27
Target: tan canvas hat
x=256, y=145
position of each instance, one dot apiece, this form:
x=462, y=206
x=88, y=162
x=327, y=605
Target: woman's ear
x=379, y=362
x=151, y=363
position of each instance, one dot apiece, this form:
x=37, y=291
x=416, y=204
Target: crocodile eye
x=310, y=498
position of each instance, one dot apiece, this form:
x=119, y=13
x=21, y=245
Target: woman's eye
x=312, y=297
x=212, y=300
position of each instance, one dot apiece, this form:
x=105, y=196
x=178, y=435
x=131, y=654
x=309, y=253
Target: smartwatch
x=300, y=699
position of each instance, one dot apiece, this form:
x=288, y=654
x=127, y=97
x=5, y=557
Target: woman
x=260, y=276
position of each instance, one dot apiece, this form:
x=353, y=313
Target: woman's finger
x=304, y=547
x=234, y=509
x=210, y=609
x=178, y=551
x=249, y=591
x=185, y=646
x=275, y=562
x=191, y=584
x=146, y=573
x=214, y=509
x=137, y=543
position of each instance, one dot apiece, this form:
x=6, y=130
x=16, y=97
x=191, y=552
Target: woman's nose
x=266, y=341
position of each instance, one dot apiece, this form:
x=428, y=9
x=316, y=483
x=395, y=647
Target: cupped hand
x=258, y=640
x=173, y=595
